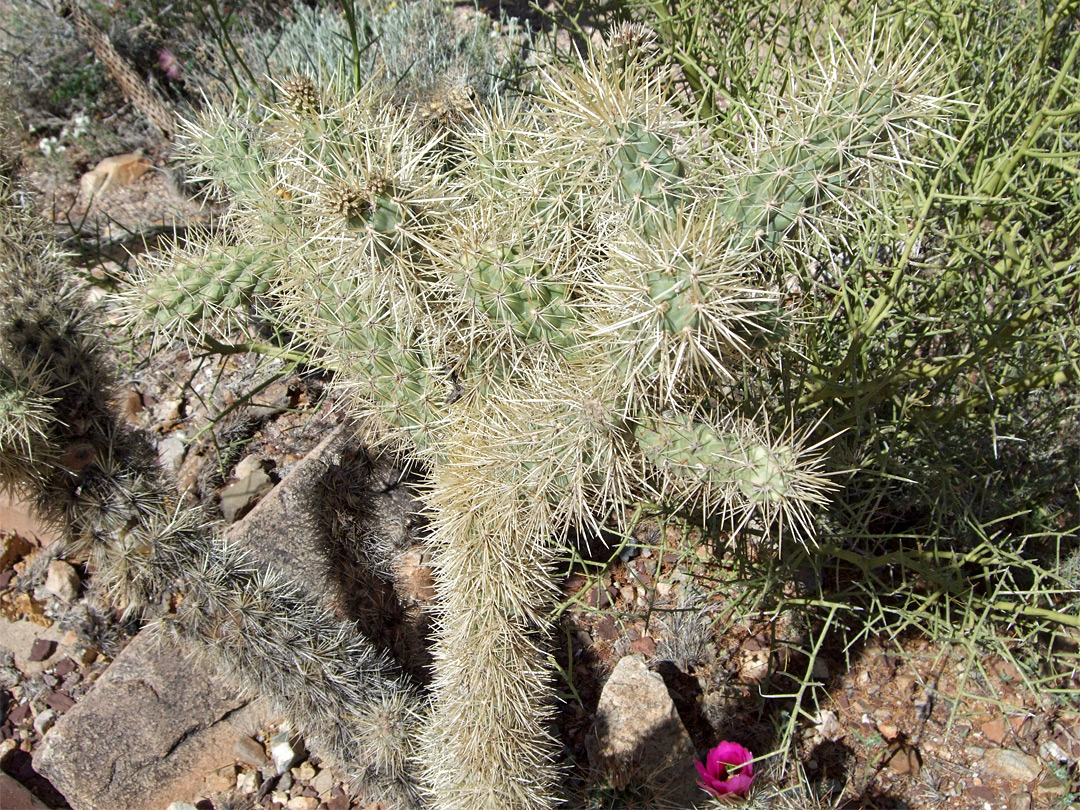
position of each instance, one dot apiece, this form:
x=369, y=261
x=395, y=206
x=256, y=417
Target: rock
x=13, y=796
x=250, y=752
x=249, y=483
x=829, y=726
x=304, y=773
x=1051, y=790
x=171, y=454
x=290, y=510
x=62, y=581
x=904, y=759
x=153, y=724
x=168, y=411
x=17, y=517
x=44, y=721
x=116, y=170
x=644, y=645
x=324, y=782
x=1052, y=752
x=248, y=781
x=42, y=649
x=820, y=670
x=1012, y=765
x=12, y=549
x=284, y=753
x=182, y=806
x=638, y=739
x=302, y=803
x=889, y=731
x=994, y=730
x=1020, y=801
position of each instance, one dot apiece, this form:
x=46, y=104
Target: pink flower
x=169, y=64
x=728, y=770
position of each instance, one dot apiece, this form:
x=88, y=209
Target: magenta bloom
x=169, y=64
x=728, y=770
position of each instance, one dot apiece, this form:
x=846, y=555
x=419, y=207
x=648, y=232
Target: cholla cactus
x=544, y=301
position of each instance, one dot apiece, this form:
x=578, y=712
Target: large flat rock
x=281, y=527
x=155, y=725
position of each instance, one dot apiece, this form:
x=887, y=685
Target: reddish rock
x=43, y=648
x=644, y=645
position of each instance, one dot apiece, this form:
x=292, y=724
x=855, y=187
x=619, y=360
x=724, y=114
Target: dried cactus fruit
x=302, y=96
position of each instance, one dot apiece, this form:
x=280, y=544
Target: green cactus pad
x=813, y=158
x=222, y=280
x=693, y=450
x=650, y=175
x=515, y=291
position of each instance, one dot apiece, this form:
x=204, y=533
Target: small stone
x=249, y=483
x=607, y=629
x=12, y=549
x=171, y=454
x=1050, y=790
x=338, y=801
x=904, y=760
x=65, y=667
x=994, y=730
x=1052, y=752
x=248, y=781
x=304, y=773
x=905, y=684
x=279, y=797
x=7, y=748
x=324, y=781
x=62, y=581
x=168, y=410
x=1020, y=801
x=43, y=648
x=44, y=721
x=982, y=794
x=644, y=645
x=250, y=752
x=58, y=701
x=820, y=670
x=888, y=730
x=181, y=806
x=663, y=588
x=628, y=594
x=829, y=726
x=223, y=779
x=303, y=803
x=285, y=782
x=1011, y=765
x=284, y=754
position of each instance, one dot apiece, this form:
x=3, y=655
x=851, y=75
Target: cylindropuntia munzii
x=545, y=300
